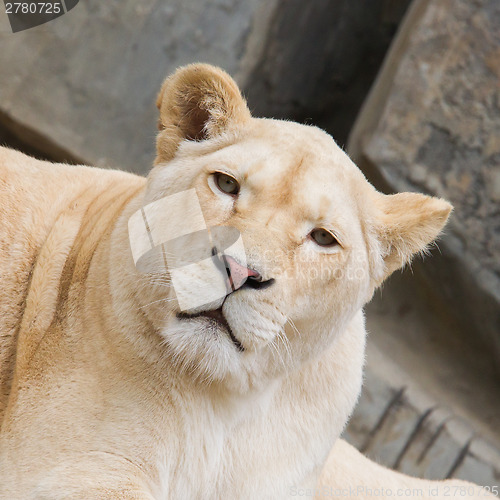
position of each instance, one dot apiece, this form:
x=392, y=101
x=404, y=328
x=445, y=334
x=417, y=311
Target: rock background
x=398, y=426
x=83, y=87
x=320, y=59
x=432, y=124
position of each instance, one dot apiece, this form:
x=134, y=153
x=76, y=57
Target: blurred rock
x=82, y=87
x=399, y=426
x=320, y=59
x=432, y=123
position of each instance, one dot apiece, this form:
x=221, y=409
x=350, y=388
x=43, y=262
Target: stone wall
x=432, y=124
x=82, y=87
x=85, y=84
x=320, y=59
x=400, y=427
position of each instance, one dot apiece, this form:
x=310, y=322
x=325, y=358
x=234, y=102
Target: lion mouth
x=216, y=316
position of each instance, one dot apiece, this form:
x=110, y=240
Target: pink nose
x=237, y=274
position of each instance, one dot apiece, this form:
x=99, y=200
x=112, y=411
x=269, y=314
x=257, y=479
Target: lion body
x=111, y=389
x=42, y=208
x=62, y=374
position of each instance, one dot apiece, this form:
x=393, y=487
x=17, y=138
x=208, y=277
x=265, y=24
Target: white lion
x=118, y=381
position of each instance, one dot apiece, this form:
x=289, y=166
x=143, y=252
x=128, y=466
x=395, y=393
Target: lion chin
x=197, y=333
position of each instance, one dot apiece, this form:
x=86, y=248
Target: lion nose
x=238, y=274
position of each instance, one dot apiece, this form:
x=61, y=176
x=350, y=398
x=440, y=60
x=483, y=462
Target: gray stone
x=481, y=465
x=439, y=459
x=375, y=399
x=432, y=124
x=320, y=59
x=393, y=434
x=414, y=458
x=399, y=426
x=83, y=86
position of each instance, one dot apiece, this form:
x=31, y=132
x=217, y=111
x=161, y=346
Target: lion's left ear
x=197, y=102
x=406, y=224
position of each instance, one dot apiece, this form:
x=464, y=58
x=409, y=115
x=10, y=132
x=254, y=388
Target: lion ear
x=406, y=224
x=197, y=102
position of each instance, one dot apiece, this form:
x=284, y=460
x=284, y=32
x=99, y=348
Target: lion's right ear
x=197, y=102
x=406, y=223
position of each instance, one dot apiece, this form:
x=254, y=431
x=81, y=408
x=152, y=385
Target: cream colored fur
x=105, y=393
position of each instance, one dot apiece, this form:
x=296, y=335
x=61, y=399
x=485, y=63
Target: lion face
x=296, y=239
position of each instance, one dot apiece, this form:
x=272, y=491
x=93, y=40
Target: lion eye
x=226, y=183
x=323, y=237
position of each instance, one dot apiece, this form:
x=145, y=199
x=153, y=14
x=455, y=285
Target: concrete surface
x=432, y=124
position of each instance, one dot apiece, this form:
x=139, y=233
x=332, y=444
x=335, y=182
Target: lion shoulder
x=37, y=201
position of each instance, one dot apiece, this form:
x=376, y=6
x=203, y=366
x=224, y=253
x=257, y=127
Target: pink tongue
x=238, y=273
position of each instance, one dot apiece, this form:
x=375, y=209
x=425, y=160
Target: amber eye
x=226, y=183
x=323, y=237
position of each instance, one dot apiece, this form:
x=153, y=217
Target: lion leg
x=111, y=491
x=348, y=473
x=104, y=477
x=97, y=494
x=100, y=494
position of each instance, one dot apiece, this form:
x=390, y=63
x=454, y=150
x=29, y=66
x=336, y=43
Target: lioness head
x=289, y=228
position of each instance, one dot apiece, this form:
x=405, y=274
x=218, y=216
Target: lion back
x=41, y=208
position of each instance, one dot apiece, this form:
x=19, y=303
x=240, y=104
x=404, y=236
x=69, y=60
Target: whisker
x=276, y=350
x=282, y=336
x=165, y=284
x=166, y=299
x=296, y=330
